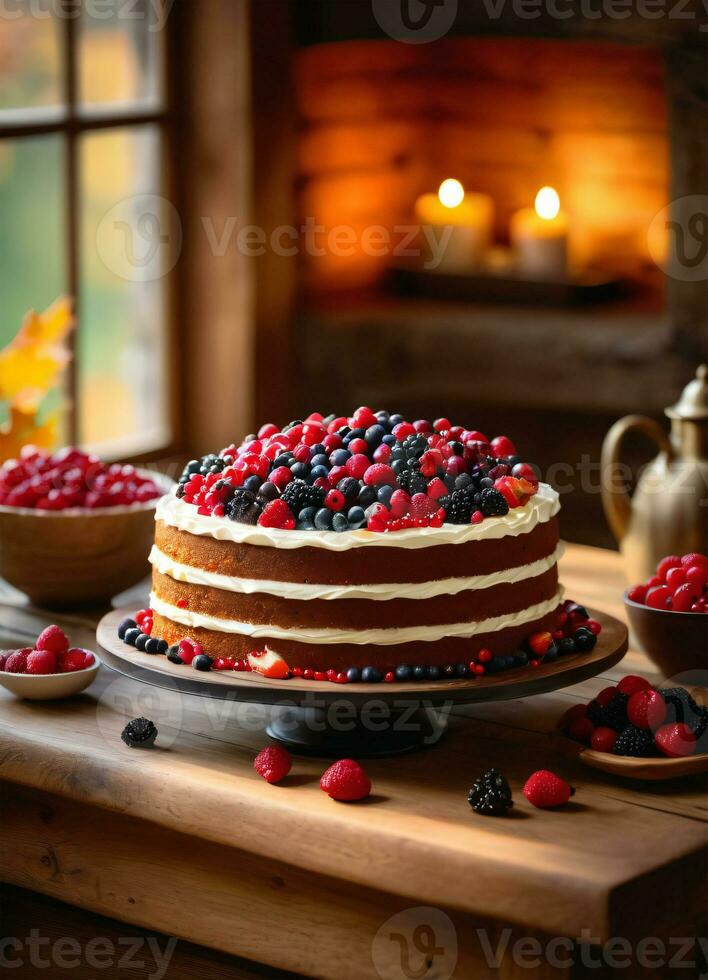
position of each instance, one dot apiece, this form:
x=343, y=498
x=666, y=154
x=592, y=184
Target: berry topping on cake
x=273, y=763
x=345, y=781
x=268, y=663
x=490, y=795
x=367, y=470
x=546, y=791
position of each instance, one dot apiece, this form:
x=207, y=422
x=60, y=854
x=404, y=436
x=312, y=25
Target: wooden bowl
x=78, y=556
x=50, y=687
x=676, y=642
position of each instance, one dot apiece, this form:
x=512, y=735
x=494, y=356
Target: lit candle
x=539, y=237
x=456, y=227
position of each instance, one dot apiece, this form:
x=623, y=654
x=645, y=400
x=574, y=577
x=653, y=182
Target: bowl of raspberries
x=638, y=721
x=668, y=614
x=49, y=670
x=75, y=530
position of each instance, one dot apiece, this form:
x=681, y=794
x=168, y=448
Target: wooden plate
x=511, y=684
x=649, y=769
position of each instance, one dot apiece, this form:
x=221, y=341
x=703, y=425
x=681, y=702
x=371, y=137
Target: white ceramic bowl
x=50, y=687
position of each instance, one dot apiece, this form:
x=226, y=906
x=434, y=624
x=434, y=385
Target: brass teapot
x=668, y=513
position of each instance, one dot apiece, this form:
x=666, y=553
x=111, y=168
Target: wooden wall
x=382, y=122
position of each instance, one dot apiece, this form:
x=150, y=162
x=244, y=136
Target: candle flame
x=451, y=193
x=547, y=203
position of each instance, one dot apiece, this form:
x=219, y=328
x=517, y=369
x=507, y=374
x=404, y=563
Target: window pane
x=125, y=252
x=30, y=72
x=119, y=53
x=31, y=240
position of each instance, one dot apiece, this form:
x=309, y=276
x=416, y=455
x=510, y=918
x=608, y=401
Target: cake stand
x=360, y=720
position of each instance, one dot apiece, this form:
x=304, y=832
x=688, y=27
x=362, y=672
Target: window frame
x=71, y=121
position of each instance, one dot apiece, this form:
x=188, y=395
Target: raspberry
x=675, y=741
x=638, y=593
x=646, y=709
x=503, y=446
x=273, y=763
x=277, y=514
x=74, y=659
x=581, y=730
x=694, y=558
x=631, y=683
x=363, y=418
x=658, y=597
x=188, y=650
x=16, y=663
x=345, y=781
x=423, y=506
x=671, y=561
x=685, y=596
x=605, y=696
x=53, y=638
x=335, y=500
x=224, y=663
x=400, y=503
x=357, y=465
x=437, y=489
x=42, y=662
x=546, y=790
x=603, y=739
x=379, y=474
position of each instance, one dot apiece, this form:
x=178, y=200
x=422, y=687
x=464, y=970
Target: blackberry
x=616, y=712
x=412, y=482
x=634, y=741
x=492, y=503
x=244, y=507
x=414, y=446
x=702, y=725
x=597, y=715
x=685, y=709
x=139, y=733
x=298, y=495
x=490, y=795
x=459, y=506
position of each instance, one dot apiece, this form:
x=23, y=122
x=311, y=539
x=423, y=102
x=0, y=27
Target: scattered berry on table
x=273, y=763
x=490, y=794
x=139, y=733
x=345, y=781
x=546, y=791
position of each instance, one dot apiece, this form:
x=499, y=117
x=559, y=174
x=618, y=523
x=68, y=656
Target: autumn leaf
x=31, y=363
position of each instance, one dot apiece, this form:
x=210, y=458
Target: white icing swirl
x=375, y=637
x=378, y=591
x=541, y=508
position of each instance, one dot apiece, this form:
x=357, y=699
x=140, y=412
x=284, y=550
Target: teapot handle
x=615, y=500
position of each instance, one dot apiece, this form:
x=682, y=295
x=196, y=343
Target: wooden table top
x=586, y=866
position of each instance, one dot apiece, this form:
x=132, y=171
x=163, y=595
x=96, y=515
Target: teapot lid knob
x=693, y=403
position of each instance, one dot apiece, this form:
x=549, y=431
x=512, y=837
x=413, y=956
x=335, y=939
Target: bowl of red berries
x=668, y=614
x=73, y=529
x=50, y=670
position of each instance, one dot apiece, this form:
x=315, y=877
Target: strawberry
x=277, y=514
x=423, y=506
x=539, y=643
x=268, y=663
x=603, y=739
x=646, y=709
x=16, y=663
x=345, y=781
x=42, y=662
x=380, y=473
x=675, y=741
x=273, y=763
x=638, y=593
x=694, y=558
x=671, y=561
x=53, y=638
x=546, y=790
x=631, y=683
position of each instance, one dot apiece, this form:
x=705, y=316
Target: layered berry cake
x=359, y=544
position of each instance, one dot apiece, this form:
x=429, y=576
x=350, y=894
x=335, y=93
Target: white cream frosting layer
x=378, y=591
x=376, y=637
x=541, y=508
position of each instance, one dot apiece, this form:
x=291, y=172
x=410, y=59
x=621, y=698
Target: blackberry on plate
x=139, y=733
x=616, y=712
x=298, y=495
x=412, y=482
x=491, y=795
x=492, y=503
x=682, y=707
x=459, y=506
x=244, y=507
x=633, y=741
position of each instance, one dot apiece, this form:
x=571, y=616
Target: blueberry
x=307, y=515
x=356, y=517
x=131, y=636
x=141, y=641
x=356, y=434
x=367, y=496
x=457, y=448
x=318, y=449
x=370, y=675
x=384, y=494
x=127, y=624
x=340, y=522
x=514, y=460
x=318, y=472
x=551, y=653
x=462, y=481
x=162, y=646
x=202, y=662
x=268, y=491
x=575, y=609
x=521, y=658
x=494, y=665
x=343, y=431
x=283, y=460
x=253, y=483
x=383, y=416
x=486, y=483
x=323, y=519
x=398, y=466
x=320, y=459
x=394, y=420
x=173, y=655
x=350, y=488
x=300, y=471
x=305, y=525
x=433, y=672
x=404, y=673
x=152, y=645
x=339, y=457
x=374, y=434
x=448, y=670
x=419, y=673
x=389, y=440
x=507, y=661
x=584, y=640
x=566, y=646
x=354, y=675
x=461, y=670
